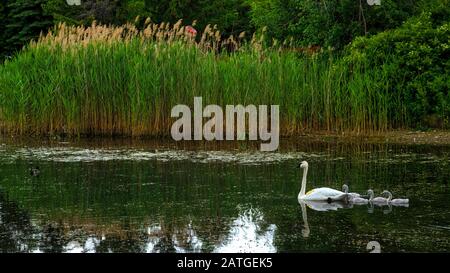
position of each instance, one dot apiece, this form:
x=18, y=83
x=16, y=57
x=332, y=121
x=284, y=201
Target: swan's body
x=359, y=201
x=324, y=194
x=319, y=194
x=398, y=201
x=323, y=206
x=377, y=200
x=401, y=204
x=351, y=195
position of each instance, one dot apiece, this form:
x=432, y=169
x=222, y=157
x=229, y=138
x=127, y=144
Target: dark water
x=155, y=197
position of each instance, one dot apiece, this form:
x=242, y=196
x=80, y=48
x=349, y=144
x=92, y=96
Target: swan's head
x=388, y=193
x=345, y=188
x=304, y=165
x=370, y=193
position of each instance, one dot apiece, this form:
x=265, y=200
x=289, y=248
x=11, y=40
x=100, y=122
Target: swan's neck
x=389, y=197
x=303, y=188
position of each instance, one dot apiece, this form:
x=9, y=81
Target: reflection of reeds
x=105, y=80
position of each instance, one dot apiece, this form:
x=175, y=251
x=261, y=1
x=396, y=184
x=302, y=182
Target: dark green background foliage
x=22, y=20
x=328, y=23
x=416, y=59
x=230, y=15
x=2, y=27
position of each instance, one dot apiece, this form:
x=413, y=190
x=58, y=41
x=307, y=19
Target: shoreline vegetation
x=123, y=81
x=435, y=138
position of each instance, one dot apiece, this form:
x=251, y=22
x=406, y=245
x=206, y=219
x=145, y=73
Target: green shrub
x=331, y=22
x=416, y=58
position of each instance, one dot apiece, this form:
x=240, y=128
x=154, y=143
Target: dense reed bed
x=103, y=80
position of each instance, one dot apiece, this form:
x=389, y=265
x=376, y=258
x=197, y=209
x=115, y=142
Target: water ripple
x=70, y=154
x=76, y=154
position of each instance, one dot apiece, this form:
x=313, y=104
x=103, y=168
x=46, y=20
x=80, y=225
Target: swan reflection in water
x=318, y=206
x=333, y=206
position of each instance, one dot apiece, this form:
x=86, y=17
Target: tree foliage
x=415, y=58
x=23, y=20
x=230, y=16
x=329, y=22
x=3, y=16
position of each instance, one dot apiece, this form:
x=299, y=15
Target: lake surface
x=160, y=197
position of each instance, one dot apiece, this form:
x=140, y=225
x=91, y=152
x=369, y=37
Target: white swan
x=396, y=202
x=377, y=200
x=351, y=195
x=319, y=194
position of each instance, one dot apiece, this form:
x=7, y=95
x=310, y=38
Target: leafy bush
x=416, y=59
x=330, y=22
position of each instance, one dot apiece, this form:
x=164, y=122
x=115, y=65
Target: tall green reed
x=122, y=81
